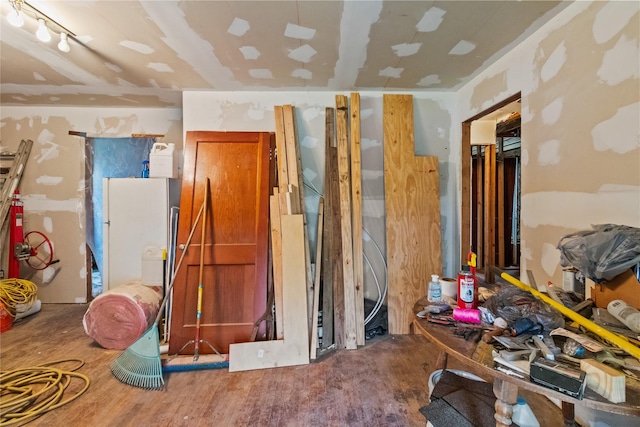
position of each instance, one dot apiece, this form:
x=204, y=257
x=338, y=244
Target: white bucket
x=163, y=161
x=435, y=377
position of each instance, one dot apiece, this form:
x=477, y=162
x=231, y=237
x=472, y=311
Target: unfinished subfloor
x=382, y=384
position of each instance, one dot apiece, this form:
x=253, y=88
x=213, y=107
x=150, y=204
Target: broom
x=140, y=365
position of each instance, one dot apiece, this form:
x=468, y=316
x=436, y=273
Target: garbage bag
x=601, y=253
x=512, y=304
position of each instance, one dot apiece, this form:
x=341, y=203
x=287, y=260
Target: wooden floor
x=382, y=384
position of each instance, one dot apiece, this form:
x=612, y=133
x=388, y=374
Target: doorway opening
x=106, y=158
x=491, y=189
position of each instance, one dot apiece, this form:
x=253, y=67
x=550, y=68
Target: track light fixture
x=46, y=25
x=15, y=16
x=43, y=33
x=64, y=44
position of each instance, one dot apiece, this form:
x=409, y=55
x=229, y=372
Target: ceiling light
x=15, y=18
x=43, y=32
x=64, y=44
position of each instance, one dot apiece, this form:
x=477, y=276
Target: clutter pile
x=566, y=340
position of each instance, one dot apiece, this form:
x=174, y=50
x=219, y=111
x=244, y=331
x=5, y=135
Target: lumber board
x=296, y=187
x=604, y=380
x=356, y=212
x=500, y=208
x=294, y=348
x=316, y=282
x=342, y=119
x=489, y=211
x=281, y=149
x=330, y=258
x=412, y=204
x=479, y=189
x=294, y=162
x=276, y=251
x=466, y=186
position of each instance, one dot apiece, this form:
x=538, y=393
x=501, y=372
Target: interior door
x=234, y=270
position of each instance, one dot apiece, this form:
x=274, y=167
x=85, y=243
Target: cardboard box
x=624, y=286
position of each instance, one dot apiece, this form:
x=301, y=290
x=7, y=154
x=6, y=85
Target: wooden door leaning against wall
x=236, y=238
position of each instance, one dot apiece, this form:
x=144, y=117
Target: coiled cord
x=27, y=393
x=14, y=292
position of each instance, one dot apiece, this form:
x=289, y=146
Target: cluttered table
x=479, y=353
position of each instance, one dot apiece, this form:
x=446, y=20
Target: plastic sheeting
x=603, y=252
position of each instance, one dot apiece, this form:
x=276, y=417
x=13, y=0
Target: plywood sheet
x=412, y=203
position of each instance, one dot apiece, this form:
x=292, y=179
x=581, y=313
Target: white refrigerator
x=137, y=223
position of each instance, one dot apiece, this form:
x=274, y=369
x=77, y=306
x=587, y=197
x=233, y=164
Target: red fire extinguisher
x=16, y=233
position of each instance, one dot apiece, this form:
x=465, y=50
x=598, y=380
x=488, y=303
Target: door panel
x=234, y=274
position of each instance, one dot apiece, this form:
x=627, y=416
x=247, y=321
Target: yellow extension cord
x=26, y=393
x=14, y=292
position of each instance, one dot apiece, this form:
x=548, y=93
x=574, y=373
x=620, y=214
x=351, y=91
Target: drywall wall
x=53, y=183
x=53, y=187
x=580, y=87
x=253, y=111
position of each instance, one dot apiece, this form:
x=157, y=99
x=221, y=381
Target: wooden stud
x=342, y=113
x=356, y=218
x=276, y=242
x=283, y=175
x=332, y=293
x=500, y=204
x=296, y=182
x=294, y=163
x=489, y=211
x=465, y=181
x=479, y=192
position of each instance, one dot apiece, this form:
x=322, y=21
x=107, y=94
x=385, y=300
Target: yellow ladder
x=10, y=176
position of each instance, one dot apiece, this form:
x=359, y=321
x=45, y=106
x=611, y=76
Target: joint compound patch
x=551, y=113
x=549, y=152
x=301, y=73
x=626, y=137
x=160, y=67
x=302, y=54
x=298, y=32
x=462, y=48
x=550, y=258
x=554, y=63
x=431, y=79
x=431, y=20
x=405, y=49
x=250, y=52
x=621, y=62
x=238, y=27
x=260, y=73
x=138, y=47
x=391, y=72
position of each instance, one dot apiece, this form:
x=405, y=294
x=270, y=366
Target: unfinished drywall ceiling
x=145, y=53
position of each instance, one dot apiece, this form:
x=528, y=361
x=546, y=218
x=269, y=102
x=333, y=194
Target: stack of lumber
x=413, y=236
x=296, y=285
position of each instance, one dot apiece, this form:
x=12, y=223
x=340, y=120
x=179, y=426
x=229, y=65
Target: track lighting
x=46, y=25
x=64, y=44
x=15, y=17
x=43, y=33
